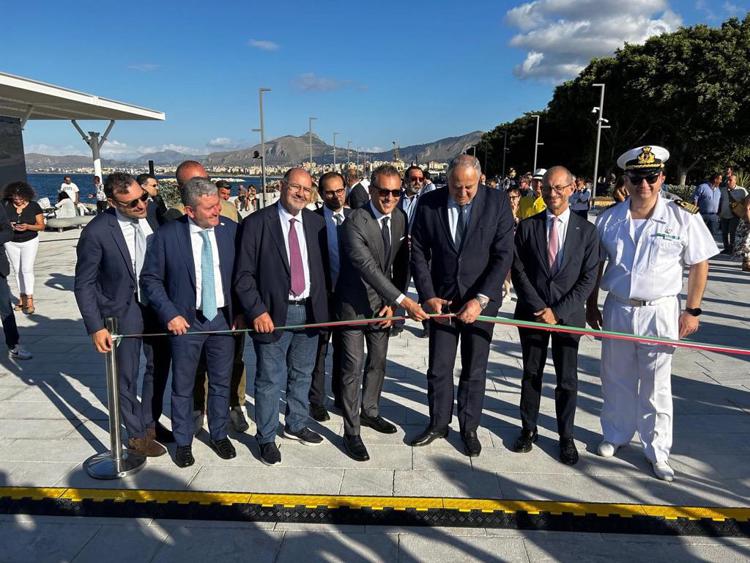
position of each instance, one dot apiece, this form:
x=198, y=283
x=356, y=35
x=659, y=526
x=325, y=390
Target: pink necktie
x=295, y=261
x=553, y=244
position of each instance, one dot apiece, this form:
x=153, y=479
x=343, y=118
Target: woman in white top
x=65, y=207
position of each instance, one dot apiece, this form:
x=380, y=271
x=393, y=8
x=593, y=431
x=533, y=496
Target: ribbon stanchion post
x=115, y=463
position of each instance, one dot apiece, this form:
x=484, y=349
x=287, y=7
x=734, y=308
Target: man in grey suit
x=373, y=278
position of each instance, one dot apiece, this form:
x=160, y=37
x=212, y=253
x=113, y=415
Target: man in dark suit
x=356, y=194
x=280, y=280
x=555, y=268
x=374, y=277
x=332, y=191
x=111, y=254
x=462, y=249
x=187, y=281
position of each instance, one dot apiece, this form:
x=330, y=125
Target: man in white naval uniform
x=646, y=241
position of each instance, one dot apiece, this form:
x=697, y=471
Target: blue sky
x=377, y=71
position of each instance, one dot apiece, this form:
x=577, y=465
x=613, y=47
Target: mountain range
x=286, y=150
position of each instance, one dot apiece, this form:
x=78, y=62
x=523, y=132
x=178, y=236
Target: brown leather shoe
x=146, y=446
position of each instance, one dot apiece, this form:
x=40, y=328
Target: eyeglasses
x=556, y=189
x=132, y=204
x=413, y=179
x=297, y=188
x=382, y=192
x=336, y=193
x=515, y=197
x=636, y=179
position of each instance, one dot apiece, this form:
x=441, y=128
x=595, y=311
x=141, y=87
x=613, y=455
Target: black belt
x=297, y=301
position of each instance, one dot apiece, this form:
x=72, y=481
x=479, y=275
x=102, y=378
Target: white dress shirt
x=379, y=218
x=126, y=226
x=196, y=242
x=284, y=217
x=563, y=220
x=332, y=235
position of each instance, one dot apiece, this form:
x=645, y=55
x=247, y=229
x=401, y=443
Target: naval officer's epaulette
x=686, y=205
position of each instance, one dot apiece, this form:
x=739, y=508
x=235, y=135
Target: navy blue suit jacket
x=439, y=269
x=168, y=276
x=262, y=276
x=105, y=283
x=566, y=290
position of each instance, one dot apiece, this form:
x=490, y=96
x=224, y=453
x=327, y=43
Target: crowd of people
x=193, y=272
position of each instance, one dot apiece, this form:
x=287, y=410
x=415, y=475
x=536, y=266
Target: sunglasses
x=133, y=203
x=382, y=192
x=636, y=179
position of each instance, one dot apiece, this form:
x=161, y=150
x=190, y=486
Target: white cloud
x=311, y=82
x=221, y=142
x=263, y=45
x=562, y=36
x=57, y=150
x=144, y=67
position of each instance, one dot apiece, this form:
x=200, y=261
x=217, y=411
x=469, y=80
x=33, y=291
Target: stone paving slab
x=53, y=416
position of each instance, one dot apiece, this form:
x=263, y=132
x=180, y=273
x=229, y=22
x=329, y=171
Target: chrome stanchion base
x=102, y=466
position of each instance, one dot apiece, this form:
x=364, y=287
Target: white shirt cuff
x=400, y=298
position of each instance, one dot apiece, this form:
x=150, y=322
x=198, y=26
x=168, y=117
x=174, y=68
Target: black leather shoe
x=428, y=436
x=471, y=443
x=162, y=434
x=355, y=448
x=524, y=442
x=568, y=451
x=184, y=456
x=270, y=454
x=224, y=448
x=377, y=423
x=319, y=413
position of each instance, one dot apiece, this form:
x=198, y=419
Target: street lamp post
x=309, y=123
x=348, y=151
x=505, y=148
x=262, y=146
x=599, y=126
x=537, y=144
x=334, y=149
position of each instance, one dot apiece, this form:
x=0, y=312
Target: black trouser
x=565, y=357
x=158, y=361
x=475, y=348
x=10, y=328
x=318, y=385
x=360, y=390
x=728, y=231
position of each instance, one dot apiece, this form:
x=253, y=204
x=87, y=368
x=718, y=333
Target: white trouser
x=636, y=377
x=22, y=256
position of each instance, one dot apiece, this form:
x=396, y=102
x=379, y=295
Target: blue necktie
x=208, y=291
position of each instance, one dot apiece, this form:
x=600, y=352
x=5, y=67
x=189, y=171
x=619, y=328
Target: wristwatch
x=695, y=311
x=483, y=301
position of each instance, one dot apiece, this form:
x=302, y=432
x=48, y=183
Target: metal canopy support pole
x=505, y=149
x=334, y=150
x=95, y=142
x=599, y=127
x=26, y=116
x=309, y=136
x=113, y=464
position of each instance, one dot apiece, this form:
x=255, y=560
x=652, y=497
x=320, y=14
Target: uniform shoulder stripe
x=686, y=205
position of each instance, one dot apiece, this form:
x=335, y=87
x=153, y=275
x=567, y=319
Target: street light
x=505, y=148
x=537, y=144
x=262, y=146
x=599, y=126
x=348, y=151
x=334, y=149
x=309, y=135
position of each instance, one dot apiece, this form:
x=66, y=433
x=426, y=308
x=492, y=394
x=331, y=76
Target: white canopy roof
x=30, y=99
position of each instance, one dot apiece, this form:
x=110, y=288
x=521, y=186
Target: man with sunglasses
x=462, y=249
x=373, y=281
x=111, y=254
x=647, y=241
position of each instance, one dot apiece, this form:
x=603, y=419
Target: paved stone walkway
x=53, y=416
